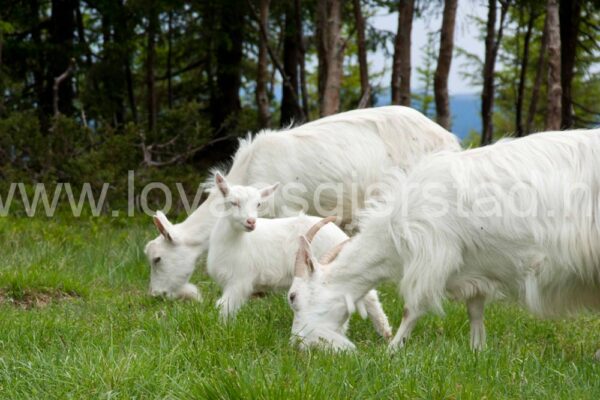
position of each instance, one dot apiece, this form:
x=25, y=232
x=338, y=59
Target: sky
x=465, y=36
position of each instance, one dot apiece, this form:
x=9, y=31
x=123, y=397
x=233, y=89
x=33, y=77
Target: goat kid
x=249, y=254
x=519, y=219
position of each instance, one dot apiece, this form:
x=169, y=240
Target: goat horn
x=310, y=235
x=300, y=267
x=333, y=252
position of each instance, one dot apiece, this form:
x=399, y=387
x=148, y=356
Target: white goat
x=249, y=254
x=519, y=219
x=328, y=164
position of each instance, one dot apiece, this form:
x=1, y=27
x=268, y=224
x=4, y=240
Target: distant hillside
x=466, y=114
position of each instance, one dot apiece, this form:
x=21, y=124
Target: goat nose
x=251, y=221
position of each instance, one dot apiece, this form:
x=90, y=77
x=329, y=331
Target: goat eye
x=235, y=203
x=292, y=297
x=156, y=260
x=259, y=204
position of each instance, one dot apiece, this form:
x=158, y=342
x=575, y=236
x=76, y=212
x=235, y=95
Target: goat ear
x=269, y=190
x=304, y=263
x=164, y=226
x=222, y=184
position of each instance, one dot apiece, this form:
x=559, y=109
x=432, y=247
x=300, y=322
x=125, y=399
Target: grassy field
x=75, y=322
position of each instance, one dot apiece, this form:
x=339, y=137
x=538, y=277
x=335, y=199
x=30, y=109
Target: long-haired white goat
x=519, y=219
x=328, y=164
x=250, y=255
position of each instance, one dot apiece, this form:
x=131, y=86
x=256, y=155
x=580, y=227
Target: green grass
x=107, y=339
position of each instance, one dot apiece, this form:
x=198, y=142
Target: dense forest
x=93, y=88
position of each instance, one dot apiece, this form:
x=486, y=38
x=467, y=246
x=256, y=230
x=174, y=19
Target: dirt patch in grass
x=27, y=299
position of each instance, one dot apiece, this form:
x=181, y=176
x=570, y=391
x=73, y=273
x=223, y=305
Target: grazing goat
x=249, y=254
x=326, y=165
x=519, y=219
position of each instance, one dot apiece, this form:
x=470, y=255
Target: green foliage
x=79, y=155
x=186, y=123
x=585, y=87
x=426, y=73
x=471, y=65
x=350, y=92
x=20, y=140
x=472, y=140
x=62, y=154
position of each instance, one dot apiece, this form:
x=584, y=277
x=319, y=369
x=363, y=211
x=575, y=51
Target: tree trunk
x=330, y=51
x=114, y=37
x=491, y=51
x=60, y=52
x=1, y=77
x=225, y=102
x=123, y=36
x=440, y=80
x=523, y=74
x=130, y=91
x=81, y=35
x=38, y=69
x=170, y=59
x=535, y=92
x=108, y=89
x=553, y=112
x=487, y=95
x=401, y=68
x=106, y=23
x=150, y=65
x=321, y=39
x=365, y=88
x=262, y=73
x=302, y=61
x=570, y=17
x=291, y=53
x=290, y=108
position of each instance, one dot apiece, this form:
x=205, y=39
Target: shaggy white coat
x=348, y=150
x=519, y=219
